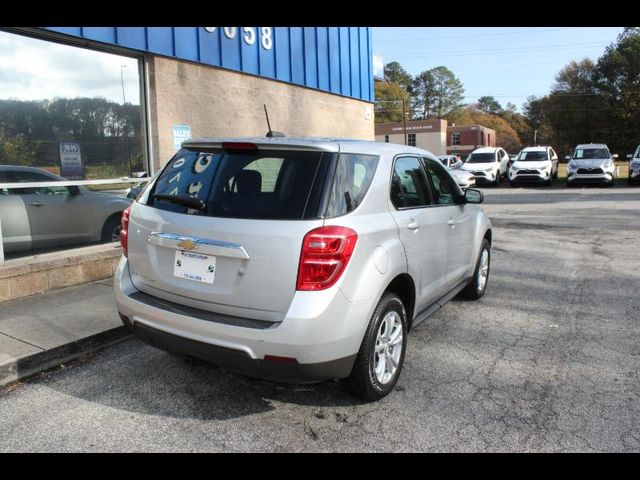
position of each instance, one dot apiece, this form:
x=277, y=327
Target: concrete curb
x=27, y=366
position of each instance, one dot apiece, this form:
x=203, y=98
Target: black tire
x=473, y=291
x=513, y=184
x=496, y=182
x=362, y=381
x=630, y=181
x=110, y=227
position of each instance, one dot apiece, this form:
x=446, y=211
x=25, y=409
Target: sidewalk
x=45, y=330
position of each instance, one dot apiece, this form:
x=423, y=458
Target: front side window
x=409, y=186
x=445, y=190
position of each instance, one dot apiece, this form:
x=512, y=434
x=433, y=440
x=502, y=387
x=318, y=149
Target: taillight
x=325, y=254
x=124, y=222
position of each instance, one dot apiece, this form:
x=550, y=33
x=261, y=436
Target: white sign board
x=180, y=134
x=71, y=166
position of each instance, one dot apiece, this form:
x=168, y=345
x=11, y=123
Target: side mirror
x=629, y=156
x=567, y=158
x=73, y=190
x=472, y=195
x=614, y=156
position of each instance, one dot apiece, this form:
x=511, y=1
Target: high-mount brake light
x=325, y=254
x=244, y=147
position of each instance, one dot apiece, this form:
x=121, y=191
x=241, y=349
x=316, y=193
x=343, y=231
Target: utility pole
x=404, y=121
x=535, y=138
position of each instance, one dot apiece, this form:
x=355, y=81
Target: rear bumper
x=322, y=331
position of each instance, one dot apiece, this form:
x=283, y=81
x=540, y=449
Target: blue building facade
x=332, y=59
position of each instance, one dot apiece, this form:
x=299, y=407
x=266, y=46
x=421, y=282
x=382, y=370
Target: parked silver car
x=45, y=217
x=299, y=259
x=634, y=167
x=463, y=179
x=591, y=163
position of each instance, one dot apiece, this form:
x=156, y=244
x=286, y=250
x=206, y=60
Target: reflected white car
x=463, y=179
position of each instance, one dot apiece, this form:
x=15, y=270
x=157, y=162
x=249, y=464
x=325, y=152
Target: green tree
x=395, y=73
x=389, y=98
x=618, y=78
x=436, y=93
x=489, y=104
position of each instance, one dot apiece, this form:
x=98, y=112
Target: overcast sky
x=508, y=63
x=33, y=69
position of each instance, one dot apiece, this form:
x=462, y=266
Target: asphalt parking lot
x=548, y=360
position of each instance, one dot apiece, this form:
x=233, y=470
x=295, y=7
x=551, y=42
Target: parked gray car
x=299, y=259
x=634, y=167
x=54, y=216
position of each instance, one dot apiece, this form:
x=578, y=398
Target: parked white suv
x=534, y=164
x=591, y=163
x=488, y=165
x=299, y=259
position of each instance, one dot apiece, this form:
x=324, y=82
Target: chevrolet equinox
x=299, y=259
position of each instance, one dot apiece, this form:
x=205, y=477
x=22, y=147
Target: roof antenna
x=271, y=133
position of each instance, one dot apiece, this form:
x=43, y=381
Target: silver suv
x=299, y=259
x=591, y=163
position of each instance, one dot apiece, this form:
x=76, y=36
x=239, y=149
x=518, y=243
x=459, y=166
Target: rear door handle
x=452, y=222
x=36, y=204
x=413, y=225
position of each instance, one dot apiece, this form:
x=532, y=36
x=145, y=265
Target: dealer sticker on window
x=194, y=266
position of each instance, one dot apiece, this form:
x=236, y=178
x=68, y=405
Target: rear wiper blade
x=190, y=202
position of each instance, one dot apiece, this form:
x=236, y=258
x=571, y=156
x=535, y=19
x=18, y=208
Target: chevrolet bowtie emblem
x=187, y=244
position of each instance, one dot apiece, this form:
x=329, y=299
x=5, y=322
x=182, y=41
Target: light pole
x=124, y=103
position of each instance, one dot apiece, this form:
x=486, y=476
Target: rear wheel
x=111, y=229
x=381, y=356
x=478, y=284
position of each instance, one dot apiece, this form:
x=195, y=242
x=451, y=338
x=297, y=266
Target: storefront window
x=66, y=114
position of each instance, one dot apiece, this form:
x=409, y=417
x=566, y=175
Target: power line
x=532, y=49
x=520, y=32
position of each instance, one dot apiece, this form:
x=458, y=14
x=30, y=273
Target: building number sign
x=249, y=34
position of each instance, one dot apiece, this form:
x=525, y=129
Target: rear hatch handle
x=201, y=245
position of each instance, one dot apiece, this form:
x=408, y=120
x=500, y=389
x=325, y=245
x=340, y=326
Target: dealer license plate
x=194, y=266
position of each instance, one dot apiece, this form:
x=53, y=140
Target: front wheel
x=478, y=284
x=381, y=356
x=496, y=182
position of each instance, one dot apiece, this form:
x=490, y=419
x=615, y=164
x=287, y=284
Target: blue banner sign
x=332, y=59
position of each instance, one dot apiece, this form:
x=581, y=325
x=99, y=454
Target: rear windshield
x=278, y=184
x=532, y=156
x=481, y=158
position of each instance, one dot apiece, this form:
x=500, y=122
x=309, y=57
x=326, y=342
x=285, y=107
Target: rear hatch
x=237, y=251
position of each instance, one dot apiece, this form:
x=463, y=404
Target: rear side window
x=260, y=185
x=353, y=176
